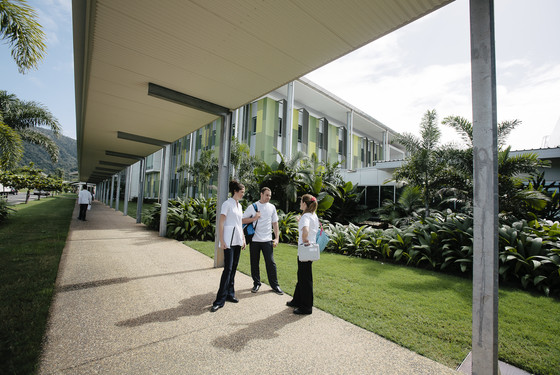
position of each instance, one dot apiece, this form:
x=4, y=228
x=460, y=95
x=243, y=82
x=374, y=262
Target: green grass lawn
x=31, y=243
x=427, y=312
x=132, y=206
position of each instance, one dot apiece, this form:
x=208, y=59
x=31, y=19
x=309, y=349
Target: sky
x=395, y=79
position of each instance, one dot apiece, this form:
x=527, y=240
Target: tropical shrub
x=192, y=219
x=287, y=227
x=529, y=252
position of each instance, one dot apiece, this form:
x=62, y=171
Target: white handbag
x=308, y=252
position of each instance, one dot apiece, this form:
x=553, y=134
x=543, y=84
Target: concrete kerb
x=128, y=301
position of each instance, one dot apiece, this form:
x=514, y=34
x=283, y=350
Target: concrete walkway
x=131, y=302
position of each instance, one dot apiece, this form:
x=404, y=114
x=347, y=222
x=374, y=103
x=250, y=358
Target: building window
x=254, y=125
x=280, y=117
x=300, y=127
x=362, y=153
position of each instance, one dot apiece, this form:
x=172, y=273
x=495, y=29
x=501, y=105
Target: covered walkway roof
x=219, y=54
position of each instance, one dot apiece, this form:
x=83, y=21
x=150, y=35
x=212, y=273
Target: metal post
x=289, y=121
x=349, y=139
x=191, y=162
x=126, y=191
x=223, y=182
x=141, y=178
x=485, y=230
x=164, y=193
x=118, y=195
x=112, y=191
x=106, y=193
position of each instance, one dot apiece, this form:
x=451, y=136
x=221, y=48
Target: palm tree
x=202, y=171
x=286, y=178
x=423, y=167
x=19, y=26
x=19, y=121
x=405, y=210
x=513, y=197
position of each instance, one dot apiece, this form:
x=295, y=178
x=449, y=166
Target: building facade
x=298, y=117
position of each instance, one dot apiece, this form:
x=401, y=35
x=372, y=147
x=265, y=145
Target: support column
x=126, y=191
x=223, y=182
x=106, y=193
x=112, y=191
x=164, y=193
x=386, y=150
x=485, y=228
x=118, y=195
x=349, y=138
x=141, y=179
x=289, y=122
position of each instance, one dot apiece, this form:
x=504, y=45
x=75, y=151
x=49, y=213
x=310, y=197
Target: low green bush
x=529, y=252
x=192, y=219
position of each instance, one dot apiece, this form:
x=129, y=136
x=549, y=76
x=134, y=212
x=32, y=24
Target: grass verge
x=31, y=243
x=132, y=206
x=427, y=312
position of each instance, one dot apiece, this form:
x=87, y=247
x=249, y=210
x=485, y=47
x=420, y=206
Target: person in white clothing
x=84, y=200
x=265, y=221
x=231, y=240
x=308, y=227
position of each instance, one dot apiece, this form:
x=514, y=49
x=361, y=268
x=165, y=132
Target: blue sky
x=396, y=79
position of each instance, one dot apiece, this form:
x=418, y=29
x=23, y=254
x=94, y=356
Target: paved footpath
x=130, y=302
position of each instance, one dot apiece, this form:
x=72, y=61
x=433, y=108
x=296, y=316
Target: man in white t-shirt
x=264, y=220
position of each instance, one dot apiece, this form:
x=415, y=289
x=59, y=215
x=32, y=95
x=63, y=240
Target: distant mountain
x=67, y=159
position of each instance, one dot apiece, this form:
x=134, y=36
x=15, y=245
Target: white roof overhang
x=218, y=55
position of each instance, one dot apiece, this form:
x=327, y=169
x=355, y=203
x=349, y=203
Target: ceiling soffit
x=224, y=52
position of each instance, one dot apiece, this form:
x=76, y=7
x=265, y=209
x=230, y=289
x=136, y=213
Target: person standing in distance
x=231, y=241
x=308, y=227
x=264, y=220
x=84, y=199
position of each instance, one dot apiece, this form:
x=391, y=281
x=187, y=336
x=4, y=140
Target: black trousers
x=83, y=210
x=231, y=260
x=267, y=249
x=303, y=295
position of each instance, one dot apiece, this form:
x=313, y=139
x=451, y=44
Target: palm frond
x=11, y=147
x=24, y=34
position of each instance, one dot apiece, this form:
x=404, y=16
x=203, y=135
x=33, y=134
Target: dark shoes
x=278, y=291
x=291, y=303
x=302, y=311
x=255, y=288
x=232, y=299
x=215, y=308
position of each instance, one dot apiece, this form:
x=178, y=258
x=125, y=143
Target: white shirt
x=233, y=212
x=263, y=230
x=84, y=197
x=312, y=222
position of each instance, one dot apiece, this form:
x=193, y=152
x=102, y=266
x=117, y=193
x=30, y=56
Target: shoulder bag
x=322, y=238
x=249, y=229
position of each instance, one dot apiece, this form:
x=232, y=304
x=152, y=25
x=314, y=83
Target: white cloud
x=397, y=78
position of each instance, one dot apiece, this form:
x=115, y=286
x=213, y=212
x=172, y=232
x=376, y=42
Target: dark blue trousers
x=267, y=249
x=231, y=260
